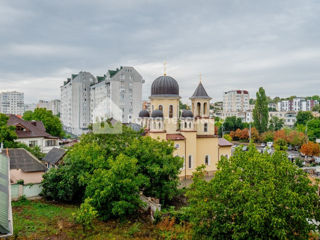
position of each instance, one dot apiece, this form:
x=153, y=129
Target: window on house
x=206, y=160
x=205, y=127
x=190, y=161
x=50, y=143
x=33, y=143
x=170, y=111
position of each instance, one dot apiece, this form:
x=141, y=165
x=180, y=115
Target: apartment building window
x=190, y=161
x=206, y=160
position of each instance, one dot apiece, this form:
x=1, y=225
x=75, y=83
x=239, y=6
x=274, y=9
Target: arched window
x=205, y=108
x=170, y=111
x=185, y=124
x=190, y=124
x=160, y=108
x=205, y=127
x=206, y=160
x=154, y=125
x=159, y=125
x=152, y=108
x=198, y=109
x=190, y=161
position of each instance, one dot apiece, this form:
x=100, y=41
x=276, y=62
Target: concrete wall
x=28, y=177
x=29, y=191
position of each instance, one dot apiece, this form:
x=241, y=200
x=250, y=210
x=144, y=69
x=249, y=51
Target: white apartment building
x=296, y=104
x=12, y=103
x=236, y=103
x=83, y=94
x=289, y=117
x=53, y=105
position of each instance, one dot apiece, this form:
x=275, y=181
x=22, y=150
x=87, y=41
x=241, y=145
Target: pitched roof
x=200, y=92
x=22, y=159
x=175, y=137
x=54, y=155
x=224, y=143
x=5, y=224
x=31, y=128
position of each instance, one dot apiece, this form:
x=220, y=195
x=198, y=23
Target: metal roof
x=200, y=92
x=5, y=205
x=165, y=86
x=54, y=155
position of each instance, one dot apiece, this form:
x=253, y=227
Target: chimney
x=34, y=123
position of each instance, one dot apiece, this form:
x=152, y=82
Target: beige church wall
x=223, y=151
x=191, y=150
x=171, y=124
x=199, y=125
x=158, y=135
x=208, y=146
x=202, y=102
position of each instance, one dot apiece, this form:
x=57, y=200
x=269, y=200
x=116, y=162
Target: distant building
x=54, y=156
x=296, y=104
x=33, y=133
x=12, y=103
x=30, y=107
x=53, y=105
x=289, y=117
x=235, y=103
x=83, y=95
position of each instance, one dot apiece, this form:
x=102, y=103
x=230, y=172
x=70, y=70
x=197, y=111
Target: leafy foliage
x=85, y=215
x=227, y=137
x=51, y=122
x=310, y=149
x=275, y=123
x=303, y=117
x=313, y=129
x=7, y=133
x=253, y=196
x=260, y=111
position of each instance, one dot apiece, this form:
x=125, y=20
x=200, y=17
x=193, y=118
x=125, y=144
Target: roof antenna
x=165, y=68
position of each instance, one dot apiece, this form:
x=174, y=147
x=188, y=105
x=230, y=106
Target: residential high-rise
x=124, y=88
x=84, y=97
x=12, y=103
x=52, y=105
x=75, y=102
x=236, y=103
x=296, y=104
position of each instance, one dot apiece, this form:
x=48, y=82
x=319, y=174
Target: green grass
x=47, y=220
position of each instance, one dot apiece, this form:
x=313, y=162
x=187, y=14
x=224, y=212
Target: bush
x=85, y=215
x=227, y=137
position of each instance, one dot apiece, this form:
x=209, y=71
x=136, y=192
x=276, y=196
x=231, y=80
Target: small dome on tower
x=144, y=114
x=157, y=114
x=187, y=114
x=165, y=86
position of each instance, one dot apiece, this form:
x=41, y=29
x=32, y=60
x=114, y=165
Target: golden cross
x=165, y=68
x=200, y=77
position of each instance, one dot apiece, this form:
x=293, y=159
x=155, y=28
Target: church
x=192, y=131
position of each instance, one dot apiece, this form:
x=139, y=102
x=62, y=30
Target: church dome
x=165, y=86
x=157, y=114
x=144, y=114
x=187, y=114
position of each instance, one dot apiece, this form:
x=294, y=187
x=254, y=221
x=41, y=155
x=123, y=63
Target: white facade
x=12, y=103
x=289, y=117
x=236, y=103
x=45, y=144
x=53, y=105
x=82, y=94
x=297, y=104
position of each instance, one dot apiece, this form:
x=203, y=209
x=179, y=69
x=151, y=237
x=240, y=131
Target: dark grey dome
x=187, y=114
x=157, y=114
x=144, y=114
x=165, y=86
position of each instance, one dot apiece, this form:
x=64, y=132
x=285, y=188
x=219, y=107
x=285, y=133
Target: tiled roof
x=32, y=128
x=22, y=159
x=224, y=143
x=55, y=155
x=206, y=136
x=175, y=137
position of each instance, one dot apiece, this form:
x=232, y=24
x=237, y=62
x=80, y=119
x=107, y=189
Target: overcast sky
x=234, y=44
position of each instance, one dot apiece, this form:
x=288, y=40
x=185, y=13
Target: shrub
x=85, y=215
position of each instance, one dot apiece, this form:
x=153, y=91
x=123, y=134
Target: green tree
x=115, y=192
x=7, y=133
x=316, y=108
x=260, y=111
x=157, y=163
x=275, y=123
x=254, y=196
x=85, y=215
x=232, y=124
x=51, y=122
x=183, y=106
x=303, y=117
x=313, y=129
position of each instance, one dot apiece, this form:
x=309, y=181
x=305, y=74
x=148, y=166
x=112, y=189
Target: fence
x=29, y=191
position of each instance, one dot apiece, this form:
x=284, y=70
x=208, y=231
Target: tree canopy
x=112, y=169
x=303, y=117
x=7, y=133
x=51, y=122
x=275, y=123
x=260, y=111
x=254, y=196
x=313, y=129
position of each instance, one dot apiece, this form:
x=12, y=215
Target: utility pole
x=250, y=132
